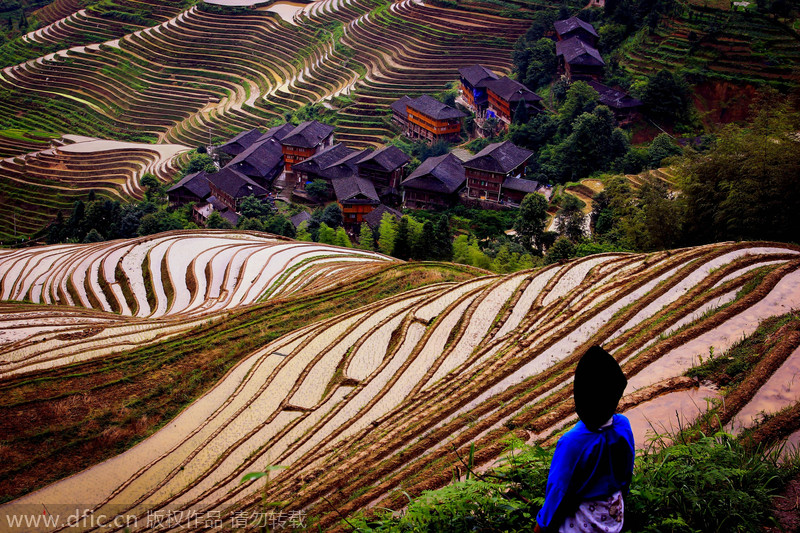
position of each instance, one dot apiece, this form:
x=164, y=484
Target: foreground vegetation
x=699, y=484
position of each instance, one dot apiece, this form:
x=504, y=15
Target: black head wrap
x=599, y=384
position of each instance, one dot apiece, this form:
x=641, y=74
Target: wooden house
x=400, y=112
x=323, y=165
x=472, y=88
x=357, y=198
x=504, y=96
x=192, y=189
x=385, y=168
x=428, y=118
x=231, y=187
x=262, y=162
x=489, y=169
x=575, y=27
x=435, y=184
x=374, y=217
x=237, y=145
x=304, y=141
x=625, y=107
x=579, y=60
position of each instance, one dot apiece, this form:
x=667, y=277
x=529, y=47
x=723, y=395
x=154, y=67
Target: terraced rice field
x=370, y=403
x=35, y=186
x=718, y=44
x=226, y=70
x=121, y=294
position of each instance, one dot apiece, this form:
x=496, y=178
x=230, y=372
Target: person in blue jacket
x=592, y=465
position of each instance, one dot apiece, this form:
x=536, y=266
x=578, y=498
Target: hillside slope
x=373, y=400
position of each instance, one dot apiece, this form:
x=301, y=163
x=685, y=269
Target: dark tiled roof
x=433, y=108
x=519, y=184
x=477, y=75
x=571, y=24
x=389, y=158
x=442, y=174
x=308, y=134
x=499, y=158
x=577, y=52
x=373, y=218
x=300, y=217
x=400, y=105
x=216, y=203
x=278, y=132
x=196, y=184
x=324, y=159
x=353, y=189
x=259, y=160
x=512, y=91
x=230, y=216
x=241, y=142
x=236, y=184
x=614, y=98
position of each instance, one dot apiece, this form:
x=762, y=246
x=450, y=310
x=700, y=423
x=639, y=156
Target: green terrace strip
x=89, y=412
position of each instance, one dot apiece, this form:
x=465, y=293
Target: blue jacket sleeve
x=564, y=460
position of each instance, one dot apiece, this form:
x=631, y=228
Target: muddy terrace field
x=383, y=370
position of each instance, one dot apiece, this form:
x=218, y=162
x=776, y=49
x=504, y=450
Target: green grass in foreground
x=704, y=484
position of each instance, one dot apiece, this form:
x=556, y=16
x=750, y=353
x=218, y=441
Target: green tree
x=666, y=96
x=521, y=113
x=332, y=215
x=531, y=221
x=327, y=235
x=662, y=147
x=163, y=221
x=318, y=190
x=154, y=188
x=443, y=240
x=561, y=250
x=93, y=236
x=302, y=232
x=570, y=219
x=250, y=224
x=214, y=221
x=425, y=247
x=402, y=244
x=388, y=233
x=252, y=207
x=581, y=98
x=366, y=240
x=342, y=239
x=200, y=162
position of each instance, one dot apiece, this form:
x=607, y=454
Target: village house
x=472, y=92
x=575, y=27
x=400, y=112
x=435, y=184
x=625, y=107
x=579, y=60
x=193, y=188
x=323, y=165
x=237, y=145
x=230, y=187
x=305, y=140
x=385, y=168
x=262, y=162
x=428, y=118
x=374, y=217
x=505, y=95
x=488, y=171
x=357, y=197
